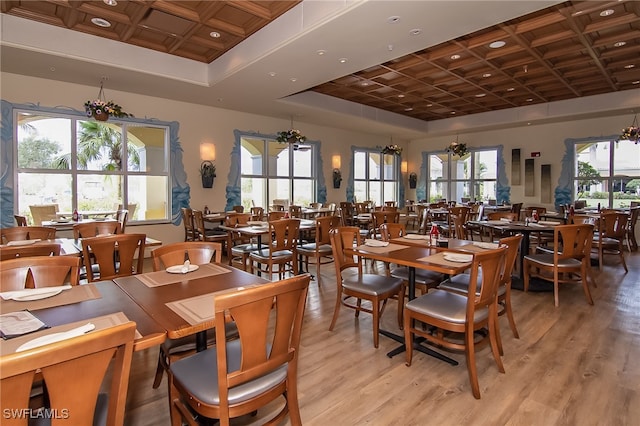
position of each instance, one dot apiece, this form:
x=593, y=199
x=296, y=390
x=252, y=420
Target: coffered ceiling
x=379, y=66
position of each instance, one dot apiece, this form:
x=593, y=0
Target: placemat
x=160, y=278
x=438, y=259
x=77, y=293
x=102, y=322
x=198, y=309
x=378, y=250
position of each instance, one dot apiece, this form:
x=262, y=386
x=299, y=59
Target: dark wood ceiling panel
x=572, y=49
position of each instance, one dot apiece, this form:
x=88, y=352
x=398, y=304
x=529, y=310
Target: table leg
x=201, y=341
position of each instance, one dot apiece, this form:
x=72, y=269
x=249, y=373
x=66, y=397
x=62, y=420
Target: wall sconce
x=404, y=167
x=207, y=152
x=337, y=175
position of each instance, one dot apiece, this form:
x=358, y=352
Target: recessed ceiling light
x=497, y=44
x=110, y=2
x=511, y=89
x=101, y=22
x=607, y=12
x=342, y=60
x=272, y=74
x=415, y=32
x=453, y=113
x=481, y=95
x=636, y=82
x=454, y=57
x=214, y=34
x=408, y=109
x=429, y=105
x=486, y=75
x=530, y=100
x=401, y=95
x=293, y=79
x=393, y=19
x=364, y=83
x=321, y=52
x=52, y=69
x=629, y=66
x=619, y=44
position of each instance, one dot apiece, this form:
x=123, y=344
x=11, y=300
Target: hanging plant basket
x=101, y=110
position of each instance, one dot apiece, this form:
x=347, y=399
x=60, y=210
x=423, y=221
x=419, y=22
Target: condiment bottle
x=433, y=235
x=534, y=216
x=206, y=210
x=75, y=215
x=572, y=210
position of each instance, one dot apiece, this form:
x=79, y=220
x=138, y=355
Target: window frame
x=396, y=175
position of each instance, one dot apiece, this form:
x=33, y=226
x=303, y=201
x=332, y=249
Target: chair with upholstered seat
x=207, y=235
x=634, y=214
x=612, y=230
x=276, y=215
x=451, y=313
x=38, y=271
x=377, y=289
x=280, y=254
x=22, y=233
x=321, y=246
x=93, y=229
x=380, y=217
x=73, y=371
x=295, y=211
x=509, y=216
x=239, y=246
x=20, y=220
x=245, y=374
x=424, y=279
x=41, y=249
x=198, y=253
x=257, y=213
x=460, y=283
x=117, y=255
x=122, y=216
x=569, y=263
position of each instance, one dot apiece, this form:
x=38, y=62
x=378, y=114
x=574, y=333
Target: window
x=375, y=176
x=92, y=166
x=607, y=173
x=473, y=176
x=271, y=170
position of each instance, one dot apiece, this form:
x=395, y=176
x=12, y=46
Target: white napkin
x=504, y=219
x=548, y=222
x=185, y=267
x=23, y=242
x=8, y=295
x=375, y=243
x=56, y=337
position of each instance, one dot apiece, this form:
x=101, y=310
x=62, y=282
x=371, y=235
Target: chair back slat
x=21, y=233
x=198, y=253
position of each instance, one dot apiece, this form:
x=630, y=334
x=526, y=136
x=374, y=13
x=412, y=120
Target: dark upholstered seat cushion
x=263, y=254
x=311, y=248
x=372, y=284
x=460, y=283
x=444, y=305
x=244, y=248
x=422, y=275
x=199, y=375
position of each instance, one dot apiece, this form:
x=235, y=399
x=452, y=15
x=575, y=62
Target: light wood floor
x=573, y=365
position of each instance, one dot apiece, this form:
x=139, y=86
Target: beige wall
x=198, y=124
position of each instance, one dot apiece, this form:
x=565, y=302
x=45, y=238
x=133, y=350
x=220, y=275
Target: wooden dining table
x=412, y=257
x=68, y=246
x=183, y=304
x=85, y=302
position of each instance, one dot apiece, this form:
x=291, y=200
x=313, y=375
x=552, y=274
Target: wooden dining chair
x=238, y=209
x=424, y=279
x=20, y=220
x=122, y=216
x=460, y=284
x=380, y=217
x=21, y=233
x=198, y=253
x=245, y=374
x=569, y=263
x=444, y=312
x=43, y=212
x=276, y=215
x=295, y=211
x=321, y=246
x=239, y=246
x=281, y=253
x=73, y=371
x=115, y=255
x=40, y=249
x=353, y=288
x=257, y=213
x=187, y=222
x=612, y=230
x=207, y=235
x=634, y=214
x=39, y=271
x=94, y=229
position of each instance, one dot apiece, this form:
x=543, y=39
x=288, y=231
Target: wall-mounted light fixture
x=404, y=167
x=207, y=151
x=337, y=175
